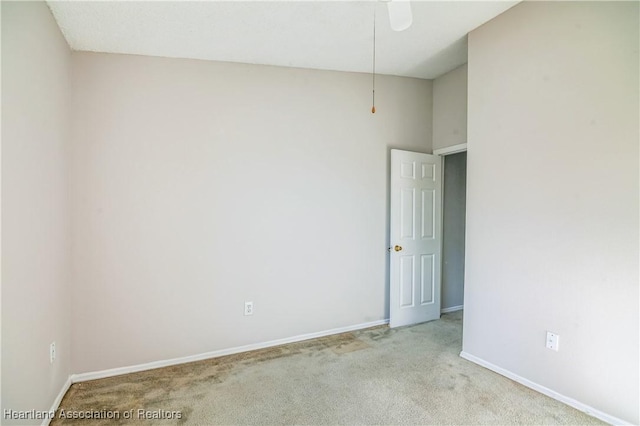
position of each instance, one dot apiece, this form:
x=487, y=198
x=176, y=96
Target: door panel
x=427, y=288
x=416, y=237
x=428, y=213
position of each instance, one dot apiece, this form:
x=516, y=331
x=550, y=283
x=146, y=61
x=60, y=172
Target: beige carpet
x=411, y=375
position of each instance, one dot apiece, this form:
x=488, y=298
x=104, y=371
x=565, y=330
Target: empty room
x=320, y=212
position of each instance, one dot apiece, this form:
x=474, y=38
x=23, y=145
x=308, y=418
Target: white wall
x=552, y=205
x=36, y=248
x=201, y=185
x=450, y=108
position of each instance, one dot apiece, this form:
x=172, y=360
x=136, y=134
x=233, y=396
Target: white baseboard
x=58, y=400
x=546, y=391
x=83, y=377
x=451, y=309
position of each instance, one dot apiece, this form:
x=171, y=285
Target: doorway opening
x=453, y=230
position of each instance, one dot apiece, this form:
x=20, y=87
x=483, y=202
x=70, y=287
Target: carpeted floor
x=410, y=375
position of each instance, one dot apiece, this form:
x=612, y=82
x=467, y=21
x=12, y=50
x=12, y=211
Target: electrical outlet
x=553, y=341
x=52, y=352
x=248, y=308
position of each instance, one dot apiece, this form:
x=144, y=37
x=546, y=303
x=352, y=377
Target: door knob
x=397, y=248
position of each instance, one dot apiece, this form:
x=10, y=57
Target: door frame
x=448, y=150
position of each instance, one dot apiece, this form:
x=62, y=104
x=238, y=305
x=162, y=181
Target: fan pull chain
x=373, y=100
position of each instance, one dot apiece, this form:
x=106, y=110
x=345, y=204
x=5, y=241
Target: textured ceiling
x=329, y=35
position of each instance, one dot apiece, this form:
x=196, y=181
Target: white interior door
x=416, y=237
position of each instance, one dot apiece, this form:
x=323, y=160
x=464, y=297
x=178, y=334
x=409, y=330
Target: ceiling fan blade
x=400, y=16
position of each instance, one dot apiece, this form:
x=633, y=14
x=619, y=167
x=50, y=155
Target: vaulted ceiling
x=328, y=35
